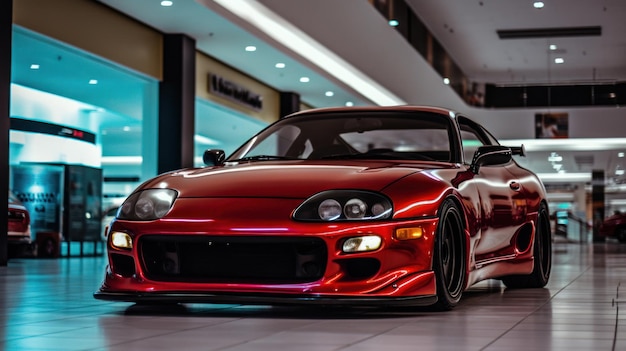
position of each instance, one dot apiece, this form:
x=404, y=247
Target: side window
x=470, y=142
x=473, y=136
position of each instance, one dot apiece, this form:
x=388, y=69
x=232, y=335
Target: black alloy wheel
x=449, y=261
x=620, y=234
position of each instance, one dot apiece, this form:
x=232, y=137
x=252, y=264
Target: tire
x=542, y=253
x=620, y=234
x=449, y=259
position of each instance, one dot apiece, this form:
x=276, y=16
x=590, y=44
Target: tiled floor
x=47, y=304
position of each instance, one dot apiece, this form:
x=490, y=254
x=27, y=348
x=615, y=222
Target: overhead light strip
x=293, y=38
x=568, y=144
x=549, y=32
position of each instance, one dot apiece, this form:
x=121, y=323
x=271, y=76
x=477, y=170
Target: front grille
x=246, y=260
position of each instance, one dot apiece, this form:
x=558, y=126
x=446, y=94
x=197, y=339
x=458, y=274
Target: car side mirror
x=213, y=157
x=490, y=155
x=518, y=150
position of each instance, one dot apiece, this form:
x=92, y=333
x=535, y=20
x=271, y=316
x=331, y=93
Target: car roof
x=395, y=108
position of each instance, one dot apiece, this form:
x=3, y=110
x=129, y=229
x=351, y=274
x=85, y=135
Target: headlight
x=121, y=240
x=147, y=205
x=361, y=244
x=342, y=205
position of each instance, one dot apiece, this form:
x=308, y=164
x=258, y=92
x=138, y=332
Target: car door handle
x=515, y=186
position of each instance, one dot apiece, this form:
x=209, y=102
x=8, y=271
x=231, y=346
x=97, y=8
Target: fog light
x=409, y=233
x=121, y=240
x=362, y=244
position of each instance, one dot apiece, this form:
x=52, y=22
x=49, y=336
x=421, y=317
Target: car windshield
x=353, y=135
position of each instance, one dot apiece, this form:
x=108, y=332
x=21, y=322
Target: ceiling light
x=34, y=66
x=329, y=93
x=126, y=129
x=349, y=103
x=446, y=81
x=304, y=79
x=93, y=81
x=538, y=4
x=394, y=23
x=280, y=65
x=552, y=47
x=167, y=3
x=296, y=40
x=620, y=154
x=619, y=172
x=201, y=139
x=568, y=144
x=559, y=60
x=554, y=157
x=250, y=48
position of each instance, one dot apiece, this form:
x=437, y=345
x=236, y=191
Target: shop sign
x=234, y=92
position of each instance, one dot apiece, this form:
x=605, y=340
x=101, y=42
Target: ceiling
x=467, y=29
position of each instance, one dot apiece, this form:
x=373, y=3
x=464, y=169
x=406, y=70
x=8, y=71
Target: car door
x=500, y=198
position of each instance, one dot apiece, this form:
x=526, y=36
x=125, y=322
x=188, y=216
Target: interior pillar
x=177, y=103
x=6, y=27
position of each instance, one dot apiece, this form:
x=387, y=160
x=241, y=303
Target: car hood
x=292, y=179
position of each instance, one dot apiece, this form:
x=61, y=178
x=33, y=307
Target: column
x=597, y=201
x=289, y=103
x=6, y=19
x=177, y=103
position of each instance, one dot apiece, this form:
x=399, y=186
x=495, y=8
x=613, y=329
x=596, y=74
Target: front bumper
x=195, y=259
x=264, y=299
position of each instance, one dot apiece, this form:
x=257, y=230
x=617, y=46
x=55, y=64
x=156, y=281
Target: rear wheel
x=449, y=256
x=542, y=252
x=620, y=234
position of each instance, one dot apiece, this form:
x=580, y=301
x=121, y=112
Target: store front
x=83, y=130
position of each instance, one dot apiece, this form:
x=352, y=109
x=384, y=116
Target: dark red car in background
x=614, y=227
x=19, y=222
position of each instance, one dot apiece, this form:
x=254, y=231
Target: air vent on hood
x=549, y=32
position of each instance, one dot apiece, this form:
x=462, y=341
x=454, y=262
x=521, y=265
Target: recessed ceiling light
x=280, y=65
x=552, y=47
x=446, y=81
x=304, y=80
x=167, y=3
x=93, y=81
x=34, y=66
x=329, y=93
x=349, y=103
x=126, y=129
x=257, y=15
x=538, y=4
x=620, y=154
x=559, y=60
x=394, y=23
x=250, y=48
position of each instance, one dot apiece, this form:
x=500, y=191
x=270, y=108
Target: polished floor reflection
x=47, y=304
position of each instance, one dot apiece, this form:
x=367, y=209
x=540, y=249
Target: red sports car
x=614, y=227
x=377, y=205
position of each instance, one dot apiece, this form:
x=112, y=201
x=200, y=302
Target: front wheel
x=449, y=256
x=542, y=252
